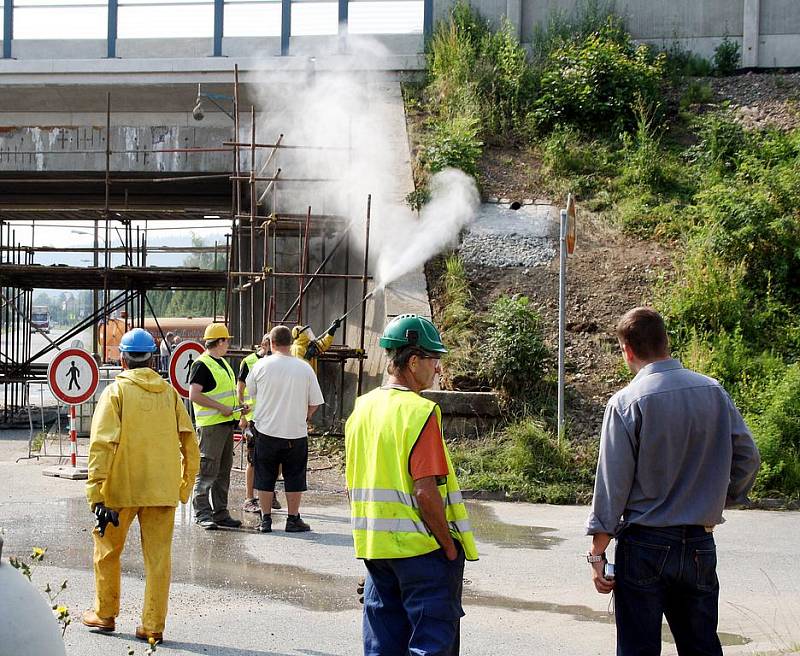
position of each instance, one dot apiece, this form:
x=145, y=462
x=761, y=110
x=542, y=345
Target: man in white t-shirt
x=287, y=394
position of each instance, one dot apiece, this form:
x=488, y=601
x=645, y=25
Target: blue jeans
x=412, y=606
x=668, y=572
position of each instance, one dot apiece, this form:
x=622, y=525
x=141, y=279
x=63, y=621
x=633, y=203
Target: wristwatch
x=599, y=558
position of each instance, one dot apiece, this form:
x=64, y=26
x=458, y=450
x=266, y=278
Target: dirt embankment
x=609, y=272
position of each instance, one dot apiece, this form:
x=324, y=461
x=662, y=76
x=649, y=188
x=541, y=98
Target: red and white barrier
x=73, y=434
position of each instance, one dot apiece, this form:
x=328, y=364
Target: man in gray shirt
x=674, y=452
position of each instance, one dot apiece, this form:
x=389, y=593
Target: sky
x=87, y=19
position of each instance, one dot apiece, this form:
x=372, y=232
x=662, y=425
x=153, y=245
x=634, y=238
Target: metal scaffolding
x=259, y=288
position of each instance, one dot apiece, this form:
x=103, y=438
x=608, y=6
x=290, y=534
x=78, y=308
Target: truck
x=40, y=318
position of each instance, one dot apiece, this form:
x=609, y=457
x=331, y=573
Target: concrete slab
x=67, y=471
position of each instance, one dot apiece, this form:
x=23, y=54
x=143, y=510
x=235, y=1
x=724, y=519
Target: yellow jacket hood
x=145, y=378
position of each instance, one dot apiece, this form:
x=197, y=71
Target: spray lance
x=359, y=304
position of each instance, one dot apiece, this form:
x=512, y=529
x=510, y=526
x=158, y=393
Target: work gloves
x=312, y=351
x=360, y=590
x=105, y=516
x=334, y=326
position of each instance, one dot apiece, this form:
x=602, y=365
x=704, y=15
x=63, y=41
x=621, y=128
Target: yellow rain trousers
x=155, y=527
x=143, y=458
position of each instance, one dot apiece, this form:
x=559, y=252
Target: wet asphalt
x=241, y=593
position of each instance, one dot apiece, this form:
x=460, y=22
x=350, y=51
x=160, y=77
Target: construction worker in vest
x=212, y=390
x=410, y=525
x=306, y=345
x=251, y=501
x=143, y=458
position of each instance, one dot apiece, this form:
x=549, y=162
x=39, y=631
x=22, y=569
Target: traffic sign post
x=567, y=233
x=180, y=365
x=73, y=376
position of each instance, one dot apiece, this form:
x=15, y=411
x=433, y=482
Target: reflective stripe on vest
x=379, y=437
x=250, y=360
x=224, y=392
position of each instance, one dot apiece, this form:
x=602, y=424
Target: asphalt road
x=241, y=593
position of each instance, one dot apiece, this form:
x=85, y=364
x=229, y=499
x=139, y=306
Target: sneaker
x=276, y=505
x=266, y=524
x=155, y=636
x=94, y=621
x=296, y=525
x=208, y=524
x=229, y=522
x=251, y=506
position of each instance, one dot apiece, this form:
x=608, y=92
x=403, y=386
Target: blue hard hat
x=137, y=340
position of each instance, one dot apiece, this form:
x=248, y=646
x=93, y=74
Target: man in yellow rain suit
x=143, y=458
x=305, y=345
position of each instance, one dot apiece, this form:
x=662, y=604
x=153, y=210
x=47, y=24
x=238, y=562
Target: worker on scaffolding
x=143, y=458
x=305, y=345
x=251, y=501
x=212, y=390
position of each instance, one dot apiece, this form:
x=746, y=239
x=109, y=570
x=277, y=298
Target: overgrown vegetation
x=602, y=116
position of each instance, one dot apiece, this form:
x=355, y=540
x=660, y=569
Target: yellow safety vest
x=250, y=360
x=224, y=392
x=379, y=436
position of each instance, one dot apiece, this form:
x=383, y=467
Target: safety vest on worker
x=250, y=360
x=224, y=392
x=379, y=437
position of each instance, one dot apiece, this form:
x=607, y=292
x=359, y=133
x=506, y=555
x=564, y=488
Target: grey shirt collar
x=658, y=367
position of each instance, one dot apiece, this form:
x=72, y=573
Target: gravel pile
x=501, y=237
x=760, y=100
x=509, y=250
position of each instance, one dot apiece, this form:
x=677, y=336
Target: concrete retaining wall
x=767, y=30
x=466, y=414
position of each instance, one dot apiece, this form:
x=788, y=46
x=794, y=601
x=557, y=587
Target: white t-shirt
x=283, y=387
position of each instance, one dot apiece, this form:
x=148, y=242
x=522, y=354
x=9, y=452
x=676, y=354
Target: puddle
x=726, y=639
x=577, y=612
x=580, y=613
x=488, y=528
x=215, y=559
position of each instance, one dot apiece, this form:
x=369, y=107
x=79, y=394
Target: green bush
x=707, y=296
x=525, y=460
x=505, y=82
x=452, y=142
x=726, y=57
x=457, y=323
x=696, y=93
x=477, y=73
x=720, y=141
x=681, y=63
x=594, y=84
x=777, y=433
x=562, y=28
x=514, y=349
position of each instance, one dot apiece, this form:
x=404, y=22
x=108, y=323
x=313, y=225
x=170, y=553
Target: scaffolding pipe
x=365, y=279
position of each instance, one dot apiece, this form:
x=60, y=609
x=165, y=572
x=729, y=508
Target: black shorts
x=272, y=453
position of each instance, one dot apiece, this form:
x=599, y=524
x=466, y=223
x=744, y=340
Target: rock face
x=27, y=625
x=503, y=237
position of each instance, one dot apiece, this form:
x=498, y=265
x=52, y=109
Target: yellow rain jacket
x=302, y=338
x=142, y=450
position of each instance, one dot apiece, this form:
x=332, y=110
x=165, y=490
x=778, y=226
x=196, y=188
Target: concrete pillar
x=751, y=33
x=514, y=15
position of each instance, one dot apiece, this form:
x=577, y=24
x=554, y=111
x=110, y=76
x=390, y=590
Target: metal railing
x=112, y=8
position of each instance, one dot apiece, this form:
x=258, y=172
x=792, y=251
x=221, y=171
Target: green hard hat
x=412, y=330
